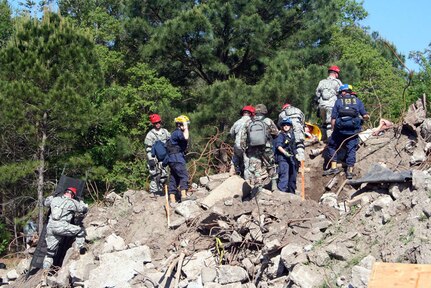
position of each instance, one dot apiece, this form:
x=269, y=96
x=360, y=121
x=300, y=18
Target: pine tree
x=48, y=75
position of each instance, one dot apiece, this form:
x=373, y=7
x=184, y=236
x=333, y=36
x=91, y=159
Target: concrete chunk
x=234, y=186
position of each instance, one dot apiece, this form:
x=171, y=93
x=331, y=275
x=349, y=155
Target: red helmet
x=285, y=106
x=155, y=118
x=72, y=189
x=248, y=108
x=334, y=68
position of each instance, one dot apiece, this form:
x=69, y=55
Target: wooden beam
x=400, y=275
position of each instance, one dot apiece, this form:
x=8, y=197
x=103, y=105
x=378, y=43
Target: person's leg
x=173, y=183
x=293, y=172
x=283, y=176
x=154, y=178
x=351, y=146
x=183, y=179
x=52, y=242
x=334, y=141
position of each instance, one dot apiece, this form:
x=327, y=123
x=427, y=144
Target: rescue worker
x=261, y=162
x=298, y=122
x=346, y=123
x=158, y=173
x=177, y=146
x=238, y=160
x=326, y=95
x=285, y=150
x=63, y=210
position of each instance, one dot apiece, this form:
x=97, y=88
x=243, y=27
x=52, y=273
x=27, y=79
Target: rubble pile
x=236, y=236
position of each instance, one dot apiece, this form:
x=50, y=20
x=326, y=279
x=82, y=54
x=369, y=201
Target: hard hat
x=286, y=121
x=353, y=93
x=334, y=68
x=285, y=106
x=248, y=108
x=155, y=118
x=72, y=189
x=261, y=108
x=182, y=119
x=345, y=87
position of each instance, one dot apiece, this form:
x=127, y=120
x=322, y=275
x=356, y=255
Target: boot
x=274, y=185
x=183, y=195
x=172, y=198
x=333, y=170
x=349, y=172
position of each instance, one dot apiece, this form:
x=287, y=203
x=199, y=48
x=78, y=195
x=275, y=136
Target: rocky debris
x=263, y=239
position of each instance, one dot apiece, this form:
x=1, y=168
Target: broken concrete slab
x=188, y=209
x=230, y=274
x=113, y=243
x=193, y=264
x=307, y=276
x=234, y=186
x=338, y=251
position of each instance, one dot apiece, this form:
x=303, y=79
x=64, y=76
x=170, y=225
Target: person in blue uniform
x=177, y=146
x=346, y=121
x=285, y=151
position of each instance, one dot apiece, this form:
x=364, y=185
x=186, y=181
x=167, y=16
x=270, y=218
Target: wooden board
x=400, y=275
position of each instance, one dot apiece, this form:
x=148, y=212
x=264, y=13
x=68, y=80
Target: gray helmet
x=261, y=108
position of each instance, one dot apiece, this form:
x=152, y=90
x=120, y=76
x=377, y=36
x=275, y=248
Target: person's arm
x=363, y=112
x=186, y=130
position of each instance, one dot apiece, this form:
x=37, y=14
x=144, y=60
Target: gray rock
x=307, y=276
x=208, y=274
x=360, y=277
x=341, y=281
x=79, y=270
x=380, y=203
x=329, y=199
x=322, y=225
x=230, y=274
x=204, y=180
x=368, y=262
x=95, y=232
x=292, y=254
x=193, y=264
x=126, y=264
x=23, y=266
x=113, y=243
x=249, y=266
x=234, y=186
x=12, y=275
x=177, y=222
x=275, y=268
x=313, y=235
x=188, y=209
x=319, y=257
x=235, y=237
x=394, y=191
x=272, y=245
x=421, y=180
x=338, y=251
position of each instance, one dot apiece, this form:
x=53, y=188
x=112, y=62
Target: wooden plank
x=400, y=275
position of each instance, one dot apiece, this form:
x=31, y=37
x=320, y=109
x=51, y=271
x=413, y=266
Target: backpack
x=329, y=89
x=159, y=150
x=257, y=133
x=348, y=121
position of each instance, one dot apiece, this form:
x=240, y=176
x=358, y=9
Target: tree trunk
x=40, y=171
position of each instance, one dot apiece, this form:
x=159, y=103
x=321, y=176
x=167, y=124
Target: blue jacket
x=287, y=142
x=346, y=113
x=177, y=147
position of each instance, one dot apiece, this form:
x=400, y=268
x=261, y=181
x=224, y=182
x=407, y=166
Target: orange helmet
x=72, y=189
x=334, y=68
x=285, y=106
x=155, y=118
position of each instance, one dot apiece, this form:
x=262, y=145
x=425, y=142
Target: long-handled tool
x=167, y=205
x=302, y=180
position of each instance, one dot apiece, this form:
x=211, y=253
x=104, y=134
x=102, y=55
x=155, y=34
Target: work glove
x=287, y=154
x=152, y=164
x=300, y=154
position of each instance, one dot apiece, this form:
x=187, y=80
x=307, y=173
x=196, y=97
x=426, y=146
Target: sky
x=406, y=24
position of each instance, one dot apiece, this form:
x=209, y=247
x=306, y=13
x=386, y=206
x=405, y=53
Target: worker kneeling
x=346, y=123
x=63, y=210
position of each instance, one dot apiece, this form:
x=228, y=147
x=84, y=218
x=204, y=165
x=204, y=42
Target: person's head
x=286, y=124
x=345, y=89
x=285, y=106
x=181, y=120
x=156, y=120
x=334, y=70
x=70, y=192
x=261, y=109
x=248, y=110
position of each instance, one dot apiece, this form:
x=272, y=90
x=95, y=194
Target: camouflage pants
x=260, y=168
x=55, y=232
x=158, y=177
x=238, y=160
x=325, y=116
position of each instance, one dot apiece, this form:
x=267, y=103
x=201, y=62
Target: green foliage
x=5, y=237
x=6, y=26
x=11, y=173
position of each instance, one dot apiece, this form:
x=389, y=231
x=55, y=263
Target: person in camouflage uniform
x=235, y=132
x=63, y=210
x=326, y=95
x=158, y=173
x=261, y=162
x=298, y=122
